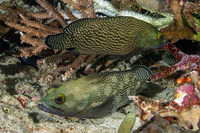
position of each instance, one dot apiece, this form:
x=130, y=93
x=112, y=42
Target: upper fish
x=96, y=95
x=107, y=36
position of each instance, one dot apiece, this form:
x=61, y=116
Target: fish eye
x=60, y=99
x=160, y=36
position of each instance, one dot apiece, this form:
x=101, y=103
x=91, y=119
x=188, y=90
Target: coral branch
x=30, y=30
x=176, y=9
x=39, y=15
x=52, y=11
x=38, y=25
x=76, y=64
x=34, y=31
x=70, y=15
x=35, y=42
x=62, y=56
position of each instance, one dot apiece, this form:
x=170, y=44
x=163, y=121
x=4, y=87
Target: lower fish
x=96, y=95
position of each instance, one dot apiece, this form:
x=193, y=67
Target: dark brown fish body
x=108, y=36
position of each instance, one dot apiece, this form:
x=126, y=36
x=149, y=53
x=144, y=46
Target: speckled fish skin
x=96, y=95
x=107, y=36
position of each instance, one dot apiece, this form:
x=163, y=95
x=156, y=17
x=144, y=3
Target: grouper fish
x=107, y=36
x=96, y=95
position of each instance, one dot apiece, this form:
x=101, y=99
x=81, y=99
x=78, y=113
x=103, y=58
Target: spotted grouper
x=96, y=95
x=107, y=36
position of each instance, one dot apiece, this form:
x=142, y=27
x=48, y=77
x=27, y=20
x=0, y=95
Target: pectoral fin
x=102, y=110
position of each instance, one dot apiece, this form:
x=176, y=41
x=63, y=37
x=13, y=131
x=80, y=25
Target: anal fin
x=106, y=108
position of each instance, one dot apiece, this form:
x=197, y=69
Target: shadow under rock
x=13, y=69
x=149, y=58
x=34, y=115
x=188, y=46
x=11, y=86
x=149, y=89
x=12, y=79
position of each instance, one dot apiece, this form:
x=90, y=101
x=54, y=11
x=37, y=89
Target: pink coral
x=186, y=62
x=183, y=110
x=184, y=97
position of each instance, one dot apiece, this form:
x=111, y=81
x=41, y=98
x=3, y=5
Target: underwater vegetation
x=75, y=45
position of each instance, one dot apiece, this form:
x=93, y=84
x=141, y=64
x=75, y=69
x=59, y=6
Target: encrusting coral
x=157, y=124
x=183, y=109
x=185, y=62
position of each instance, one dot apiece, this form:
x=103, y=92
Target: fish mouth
x=50, y=109
x=164, y=43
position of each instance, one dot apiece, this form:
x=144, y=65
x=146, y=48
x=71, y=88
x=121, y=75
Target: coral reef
x=34, y=31
x=185, y=62
x=22, y=86
x=8, y=11
x=183, y=109
x=35, y=26
x=186, y=24
x=104, y=7
x=175, y=33
x=190, y=11
x=44, y=20
x=180, y=29
x=158, y=124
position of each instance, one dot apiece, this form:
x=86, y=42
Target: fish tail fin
x=58, y=41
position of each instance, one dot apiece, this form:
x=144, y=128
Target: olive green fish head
x=151, y=38
x=59, y=103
